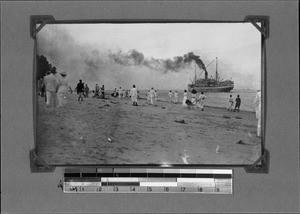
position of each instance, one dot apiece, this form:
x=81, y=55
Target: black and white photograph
x=148, y=93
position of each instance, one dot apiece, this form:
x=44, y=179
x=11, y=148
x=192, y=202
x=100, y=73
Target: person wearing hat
x=51, y=84
x=63, y=87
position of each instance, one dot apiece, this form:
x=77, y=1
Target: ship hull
x=213, y=88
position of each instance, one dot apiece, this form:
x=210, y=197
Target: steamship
x=211, y=84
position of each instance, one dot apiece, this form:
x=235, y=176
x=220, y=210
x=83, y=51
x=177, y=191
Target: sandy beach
x=113, y=131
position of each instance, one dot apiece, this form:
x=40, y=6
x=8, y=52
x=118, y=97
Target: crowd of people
x=55, y=89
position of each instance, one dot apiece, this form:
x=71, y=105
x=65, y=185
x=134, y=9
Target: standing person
x=102, y=92
x=155, y=96
x=120, y=93
x=62, y=92
x=202, y=98
x=175, y=97
x=184, y=99
x=134, y=95
x=51, y=85
x=124, y=93
x=86, y=90
x=237, y=103
x=170, y=96
x=115, y=93
x=230, y=107
x=97, y=90
x=194, y=94
x=257, y=104
x=79, y=89
x=151, y=94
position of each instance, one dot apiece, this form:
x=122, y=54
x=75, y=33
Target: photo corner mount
x=261, y=165
x=37, y=164
x=39, y=19
x=264, y=20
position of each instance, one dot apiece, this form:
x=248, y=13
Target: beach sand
x=113, y=131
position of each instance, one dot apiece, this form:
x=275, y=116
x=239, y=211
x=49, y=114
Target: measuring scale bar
x=186, y=182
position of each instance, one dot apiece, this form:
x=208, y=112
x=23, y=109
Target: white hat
x=63, y=73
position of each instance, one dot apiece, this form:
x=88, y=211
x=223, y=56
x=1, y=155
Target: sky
x=125, y=54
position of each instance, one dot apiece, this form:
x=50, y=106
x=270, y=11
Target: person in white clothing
x=134, y=95
x=151, y=94
x=63, y=87
x=120, y=93
x=170, y=96
x=230, y=107
x=257, y=104
x=201, y=100
x=175, y=97
x=155, y=95
x=184, y=99
x=51, y=85
x=194, y=95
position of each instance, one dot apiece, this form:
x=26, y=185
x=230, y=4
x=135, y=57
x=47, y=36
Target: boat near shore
x=211, y=84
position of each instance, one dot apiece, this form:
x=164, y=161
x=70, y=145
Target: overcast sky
x=237, y=45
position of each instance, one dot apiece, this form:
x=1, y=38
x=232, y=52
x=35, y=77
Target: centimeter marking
x=108, y=180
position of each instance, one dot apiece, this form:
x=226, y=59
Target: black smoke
x=136, y=58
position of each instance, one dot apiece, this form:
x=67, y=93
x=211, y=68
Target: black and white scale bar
x=110, y=180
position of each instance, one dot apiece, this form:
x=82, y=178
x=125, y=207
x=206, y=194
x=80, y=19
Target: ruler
x=152, y=180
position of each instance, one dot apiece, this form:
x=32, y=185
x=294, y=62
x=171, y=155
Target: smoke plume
x=114, y=69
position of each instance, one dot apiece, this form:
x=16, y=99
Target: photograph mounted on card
x=148, y=93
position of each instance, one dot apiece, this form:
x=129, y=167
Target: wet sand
x=113, y=131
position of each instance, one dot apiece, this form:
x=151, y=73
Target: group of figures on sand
x=55, y=88
x=194, y=102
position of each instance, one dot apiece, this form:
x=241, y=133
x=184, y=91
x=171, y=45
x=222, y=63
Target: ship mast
x=217, y=69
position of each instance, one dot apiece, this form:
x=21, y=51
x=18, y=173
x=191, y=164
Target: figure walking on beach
x=86, y=91
x=170, y=96
x=120, y=93
x=257, y=104
x=79, y=89
x=155, y=96
x=102, y=92
x=194, y=94
x=51, y=85
x=184, y=99
x=151, y=93
x=134, y=95
x=230, y=107
x=97, y=90
x=202, y=98
x=237, y=103
x=175, y=97
x=63, y=88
